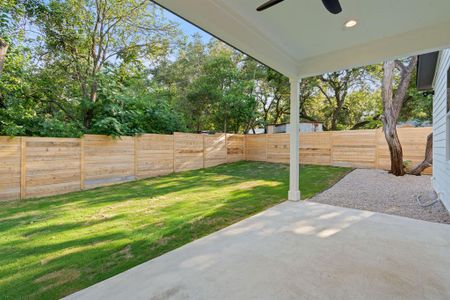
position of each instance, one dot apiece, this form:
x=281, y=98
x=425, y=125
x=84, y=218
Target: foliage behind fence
x=36, y=166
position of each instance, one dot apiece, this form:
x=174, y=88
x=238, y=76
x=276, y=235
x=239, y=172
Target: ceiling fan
x=333, y=6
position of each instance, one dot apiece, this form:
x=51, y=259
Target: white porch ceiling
x=300, y=38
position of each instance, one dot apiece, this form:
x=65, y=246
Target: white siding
x=441, y=164
x=308, y=127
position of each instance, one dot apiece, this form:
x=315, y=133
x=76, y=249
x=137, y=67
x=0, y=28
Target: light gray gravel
x=379, y=191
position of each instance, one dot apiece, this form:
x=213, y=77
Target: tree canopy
x=69, y=67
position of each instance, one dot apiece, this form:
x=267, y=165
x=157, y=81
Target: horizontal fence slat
x=40, y=166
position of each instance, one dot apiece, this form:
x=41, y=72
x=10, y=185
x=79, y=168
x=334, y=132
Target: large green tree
x=121, y=68
x=83, y=66
x=16, y=16
x=84, y=37
x=337, y=88
x=221, y=98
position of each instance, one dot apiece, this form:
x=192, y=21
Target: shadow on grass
x=98, y=249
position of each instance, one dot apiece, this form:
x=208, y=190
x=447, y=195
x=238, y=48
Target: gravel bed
x=379, y=191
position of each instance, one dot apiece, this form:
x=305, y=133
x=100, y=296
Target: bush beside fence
x=37, y=166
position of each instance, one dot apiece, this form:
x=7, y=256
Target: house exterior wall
x=284, y=128
x=280, y=128
x=441, y=130
x=308, y=127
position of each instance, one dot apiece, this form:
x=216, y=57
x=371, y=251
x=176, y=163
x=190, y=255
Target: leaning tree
x=397, y=75
x=428, y=160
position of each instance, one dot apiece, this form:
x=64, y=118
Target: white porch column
x=294, y=144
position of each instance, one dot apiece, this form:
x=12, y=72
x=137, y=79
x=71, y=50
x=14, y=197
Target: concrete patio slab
x=298, y=251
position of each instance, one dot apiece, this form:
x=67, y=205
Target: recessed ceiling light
x=351, y=23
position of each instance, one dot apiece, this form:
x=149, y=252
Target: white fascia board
x=412, y=43
x=221, y=22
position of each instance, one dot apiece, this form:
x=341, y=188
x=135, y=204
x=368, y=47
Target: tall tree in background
x=308, y=93
x=121, y=68
x=220, y=98
x=272, y=94
x=14, y=18
x=335, y=87
x=3, y=49
x=85, y=36
x=175, y=76
x=394, y=90
x=8, y=18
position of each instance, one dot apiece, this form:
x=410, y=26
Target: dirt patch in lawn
x=57, y=278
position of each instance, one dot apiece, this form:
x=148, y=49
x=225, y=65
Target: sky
x=186, y=27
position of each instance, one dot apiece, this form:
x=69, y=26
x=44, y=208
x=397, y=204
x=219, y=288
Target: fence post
x=226, y=148
x=267, y=150
x=173, y=151
x=245, y=146
x=23, y=167
x=377, y=148
x=331, y=147
x=204, y=150
x=136, y=140
x=82, y=163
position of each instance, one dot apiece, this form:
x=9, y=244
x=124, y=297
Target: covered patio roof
x=299, y=38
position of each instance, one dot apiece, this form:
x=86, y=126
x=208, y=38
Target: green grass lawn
x=51, y=247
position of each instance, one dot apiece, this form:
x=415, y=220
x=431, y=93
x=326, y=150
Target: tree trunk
x=225, y=125
x=3, y=50
x=392, y=105
x=334, y=119
x=88, y=109
x=395, y=149
x=428, y=161
x=88, y=117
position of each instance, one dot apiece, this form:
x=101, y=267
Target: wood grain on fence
x=215, y=150
x=35, y=166
x=189, y=151
x=235, y=147
x=154, y=155
x=315, y=148
x=107, y=160
x=357, y=149
x=52, y=166
x=278, y=148
x=10, y=168
x=255, y=147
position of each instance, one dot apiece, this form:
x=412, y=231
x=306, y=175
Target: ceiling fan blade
x=268, y=4
x=333, y=6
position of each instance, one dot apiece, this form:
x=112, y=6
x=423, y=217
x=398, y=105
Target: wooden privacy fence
x=36, y=166
x=358, y=148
